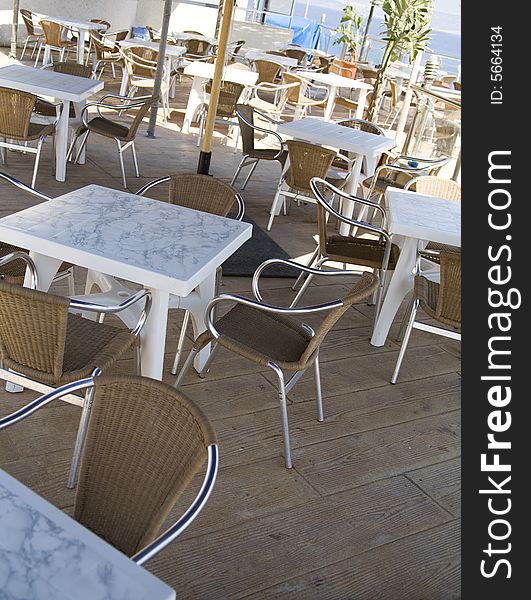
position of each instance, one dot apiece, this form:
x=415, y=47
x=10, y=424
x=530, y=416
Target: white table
x=335, y=82
x=64, y=88
x=413, y=220
x=45, y=555
x=185, y=36
x=366, y=146
x=172, y=54
x=285, y=61
x=201, y=72
x=82, y=27
x=166, y=248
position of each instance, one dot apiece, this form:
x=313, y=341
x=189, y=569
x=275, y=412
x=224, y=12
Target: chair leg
x=121, y=161
x=242, y=162
x=186, y=367
x=249, y=175
x=80, y=439
x=318, y=391
x=24, y=49
x=81, y=146
x=213, y=351
x=283, y=414
x=403, y=347
x=276, y=201
x=37, y=159
x=135, y=160
x=180, y=343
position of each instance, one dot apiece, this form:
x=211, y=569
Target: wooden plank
x=354, y=460
x=241, y=560
x=442, y=482
x=423, y=566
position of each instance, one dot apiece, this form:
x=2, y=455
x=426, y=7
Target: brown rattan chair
x=44, y=346
x=16, y=110
x=370, y=247
x=34, y=35
x=251, y=154
x=305, y=161
x=129, y=478
x=207, y=194
x=105, y=55
x=275, y=337
x=14, y=272
x=300, y=97
x=276, y=97
x=197, y=49
x=440, y=301
x=343, y=161
x=55, y=39
x=268, y=70
x=299, y=55
x=124, y=135
x=229, y=96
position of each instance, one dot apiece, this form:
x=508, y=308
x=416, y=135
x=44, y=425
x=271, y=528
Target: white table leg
x=153, y=336
x=401, y=283
x=81, y=46
x=361, y=103
x=61, y=142
x=202, y=295
x=329, y=108
x=46, y=59
x=194, y=101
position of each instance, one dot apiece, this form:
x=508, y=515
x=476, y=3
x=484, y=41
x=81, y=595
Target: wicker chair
x=44, y=346
x=207, y=194
x=14, y=272
x=343, y=161
x=275, y=337
x=123, y=135
x=440, y=301
x=130, y=479
x=105, y=55
x=300, y=97
x=197, y=49
x=229, y=96
x=299, y=55
x=277, y=96
x=305, y=161
x=34, y=36
x=16, y=110
x=371, y=247
x=252, y=155
x=268, y=70
x=55, y=39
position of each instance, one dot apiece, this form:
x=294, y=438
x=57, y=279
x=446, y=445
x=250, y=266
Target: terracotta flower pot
x=347, y=68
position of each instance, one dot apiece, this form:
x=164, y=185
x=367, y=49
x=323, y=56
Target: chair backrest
x=237, y=46
x=324, y=62
x=53, y=33
x=299, y=55
x=229, y=94
x=435, y=186
x=360, y=291
x=72, y=68
x=277, y=52
x=197, y=47
x=145, y=442
x=307, y=161
x=457, y=85
x=154, y=34
x=295, y=92
x=105, y=26
x=362, y=125
x=141, y=61
x=246, y=131
x=204, y=193
x=16, y=108
x=27, y=17
x=267, y=70
x=33, y=331
x=141, y=112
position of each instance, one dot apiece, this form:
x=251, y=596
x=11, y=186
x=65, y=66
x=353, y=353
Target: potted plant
x=348, y=35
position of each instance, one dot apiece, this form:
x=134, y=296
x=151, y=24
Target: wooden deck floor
x=371, y=508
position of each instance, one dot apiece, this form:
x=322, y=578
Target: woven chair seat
x=269, y=154
x=365, y=252
x=106, y=127
x=255, y=335
x=47, y=109
x=14, y=272
x=88, y=345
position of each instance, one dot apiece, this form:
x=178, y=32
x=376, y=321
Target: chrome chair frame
x=82, y=307
x=246, y=159
x=193, y=510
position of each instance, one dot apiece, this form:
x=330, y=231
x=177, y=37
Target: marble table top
x=171, y=50
x=328, y=133
x=46, y=82
x=423, y=217
x=46, y=555
x=334, y=80
x=150, y=242
x=206, y=71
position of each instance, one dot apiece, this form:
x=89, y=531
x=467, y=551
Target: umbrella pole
x=160, y=66
x=14, y=29
x=206, y=146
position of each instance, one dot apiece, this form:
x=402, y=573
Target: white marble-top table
x=366, y=146
x=163, y=247
x=413, y=220
x=64, y=88
x=46, y=555
x=202, y=71
x=336, y=82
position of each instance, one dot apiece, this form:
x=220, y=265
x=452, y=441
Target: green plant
x=407, y=24
x=348, y=30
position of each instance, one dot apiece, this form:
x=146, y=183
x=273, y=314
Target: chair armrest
x=12, y=256
x=24, y=186
x=193, y=510
x=102, y=308
x=151, y=184
x=119, y=107
x=38, y=403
